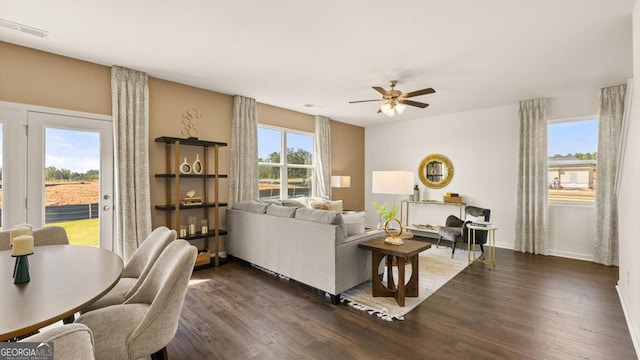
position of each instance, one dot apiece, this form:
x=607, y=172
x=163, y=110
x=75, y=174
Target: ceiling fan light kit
x=397, y=101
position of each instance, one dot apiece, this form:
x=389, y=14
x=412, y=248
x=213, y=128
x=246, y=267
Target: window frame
x=284, y=166
x=574, y=203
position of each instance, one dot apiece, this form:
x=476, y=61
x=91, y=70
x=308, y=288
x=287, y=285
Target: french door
x=58, y=167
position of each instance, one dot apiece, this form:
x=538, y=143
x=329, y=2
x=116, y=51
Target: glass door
x=70, y=176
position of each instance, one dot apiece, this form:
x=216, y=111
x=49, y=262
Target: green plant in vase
x=385, y=212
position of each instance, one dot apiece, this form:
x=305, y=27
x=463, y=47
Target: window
x=572, y=150
x=285, y=163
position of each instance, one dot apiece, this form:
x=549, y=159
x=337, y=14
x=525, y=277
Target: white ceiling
x=289, y=53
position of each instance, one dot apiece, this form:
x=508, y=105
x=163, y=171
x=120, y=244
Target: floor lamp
x=393, y=183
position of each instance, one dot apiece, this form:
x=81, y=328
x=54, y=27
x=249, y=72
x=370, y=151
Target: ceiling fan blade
x=418, y=93
x=413, y=103
x=360, y=101
x=381, y=90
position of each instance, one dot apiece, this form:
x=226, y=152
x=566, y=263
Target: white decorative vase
x=197, y=166
x=185, y=168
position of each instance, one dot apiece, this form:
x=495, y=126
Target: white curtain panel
x=610, y=118
x=130, y=108
x=322, y=157
x=243, y=173
x=531, y=214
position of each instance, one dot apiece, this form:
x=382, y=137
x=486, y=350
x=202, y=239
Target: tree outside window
x=288, y=176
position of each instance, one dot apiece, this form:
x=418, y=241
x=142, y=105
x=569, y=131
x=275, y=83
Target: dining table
x=64, y=279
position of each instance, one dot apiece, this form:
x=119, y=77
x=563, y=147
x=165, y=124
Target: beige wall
x=347, y=158
x=167, y=102
x=39, y=78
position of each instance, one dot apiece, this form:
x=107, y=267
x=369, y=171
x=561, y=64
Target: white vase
x=197, y=166
x=185, y=168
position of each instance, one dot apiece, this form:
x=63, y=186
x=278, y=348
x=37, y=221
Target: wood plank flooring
x=530, y=307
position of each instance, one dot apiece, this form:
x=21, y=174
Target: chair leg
x=160, y=354
x=453, y=248
x=438, y=243
x=69, y=319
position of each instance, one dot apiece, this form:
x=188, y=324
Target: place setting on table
x=49, y=283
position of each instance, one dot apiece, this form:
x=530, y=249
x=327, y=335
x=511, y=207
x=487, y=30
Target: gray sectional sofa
x=314, y=247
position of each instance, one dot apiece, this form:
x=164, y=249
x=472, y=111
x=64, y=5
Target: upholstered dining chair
x=147, y=321
x=70, y=342
x=455, y=229
x=4, y=240
x=50, y=235
x=137, y=268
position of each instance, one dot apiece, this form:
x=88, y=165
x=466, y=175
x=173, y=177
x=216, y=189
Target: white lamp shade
x=392, y=182
x=341, y=181
x=400, y=107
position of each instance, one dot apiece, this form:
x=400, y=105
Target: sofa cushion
x=322, y=216
x=251, y=206
x=354, y=222
x=282, y=211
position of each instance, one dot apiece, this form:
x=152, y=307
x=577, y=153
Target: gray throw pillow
x=251, y=206
x=282, y=211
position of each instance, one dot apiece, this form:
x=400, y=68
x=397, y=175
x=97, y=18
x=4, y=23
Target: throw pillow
x=354, y=222
x=281, y=211
x=296, y=202
x=251, y=206
x=475, y=218
x=319, y=206
x=335, y=205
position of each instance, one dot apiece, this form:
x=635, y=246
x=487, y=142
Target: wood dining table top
x=64, y=280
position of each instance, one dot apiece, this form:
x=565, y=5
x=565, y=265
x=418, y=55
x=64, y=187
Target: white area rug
x=436, y=269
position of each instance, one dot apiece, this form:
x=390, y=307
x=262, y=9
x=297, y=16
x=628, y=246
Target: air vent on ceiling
x=23, y=28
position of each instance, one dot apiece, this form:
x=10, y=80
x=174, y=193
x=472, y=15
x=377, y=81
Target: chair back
x=70, y=342
x=143, y=259
x=164, y=288
x=4, y=240
x=50, y=235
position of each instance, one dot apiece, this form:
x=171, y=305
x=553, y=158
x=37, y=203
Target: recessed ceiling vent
x=23, y=28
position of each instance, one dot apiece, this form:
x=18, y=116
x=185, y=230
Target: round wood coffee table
x=64, y=279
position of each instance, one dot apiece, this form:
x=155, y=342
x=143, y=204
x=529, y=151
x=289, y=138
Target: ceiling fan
x=396, y=99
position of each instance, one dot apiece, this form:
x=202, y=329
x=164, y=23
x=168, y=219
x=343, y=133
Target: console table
x=425, y=229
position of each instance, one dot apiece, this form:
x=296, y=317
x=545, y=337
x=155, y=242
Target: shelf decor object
x=175, y=203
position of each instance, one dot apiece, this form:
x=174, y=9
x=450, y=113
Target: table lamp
x=394, y=183
x=340, y=182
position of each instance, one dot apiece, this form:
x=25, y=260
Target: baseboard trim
x=571, y=255
x=627, y=316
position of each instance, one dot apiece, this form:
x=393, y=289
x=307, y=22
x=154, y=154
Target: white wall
x=483, y=147
x=628, y=200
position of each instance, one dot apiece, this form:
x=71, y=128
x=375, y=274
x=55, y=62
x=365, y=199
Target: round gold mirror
x=435, y=171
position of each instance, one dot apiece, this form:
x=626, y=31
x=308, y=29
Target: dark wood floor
x=530, y=307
